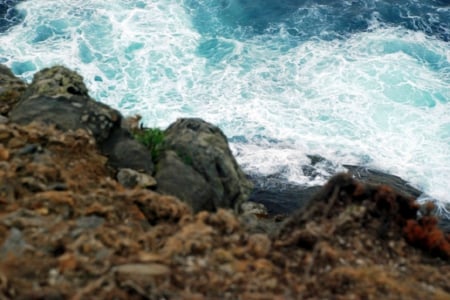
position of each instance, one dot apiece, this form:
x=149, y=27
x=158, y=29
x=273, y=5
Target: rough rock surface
x=130, y=178
x=58, y=96
x=69, y=231
x=201, y=149
x=11, y=89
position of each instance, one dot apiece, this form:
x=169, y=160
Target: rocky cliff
x=88, y=212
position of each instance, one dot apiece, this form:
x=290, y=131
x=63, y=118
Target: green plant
x=153, y=139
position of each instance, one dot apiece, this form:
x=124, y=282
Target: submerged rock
x=201, y=150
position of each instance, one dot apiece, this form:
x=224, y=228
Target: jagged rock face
x=11, y=89
x=56, y=81
x=58, y=96
x=202, y=150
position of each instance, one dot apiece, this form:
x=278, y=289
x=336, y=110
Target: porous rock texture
x=59, y=96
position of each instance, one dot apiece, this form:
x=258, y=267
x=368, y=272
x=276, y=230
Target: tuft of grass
x=153, y=139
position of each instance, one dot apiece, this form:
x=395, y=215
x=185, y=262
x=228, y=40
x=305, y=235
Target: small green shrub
x=153, y=139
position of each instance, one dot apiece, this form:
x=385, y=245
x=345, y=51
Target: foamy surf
x=373, y=93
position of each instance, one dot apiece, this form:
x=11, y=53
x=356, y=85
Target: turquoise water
x=358, y=82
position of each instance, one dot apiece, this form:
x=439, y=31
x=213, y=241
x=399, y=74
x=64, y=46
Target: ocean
x=362, y=82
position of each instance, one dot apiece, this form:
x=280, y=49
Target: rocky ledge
x=89, y=212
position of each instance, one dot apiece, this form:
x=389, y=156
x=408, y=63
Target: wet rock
x=280, y=196
x=203, y=150
x=11, y=89
x=130, y=178
x=375, y=177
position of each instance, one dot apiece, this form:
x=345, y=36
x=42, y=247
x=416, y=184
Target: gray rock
x=58, y=96
x=375, y=177
x=176, y=178
x=11, y=89
x=201, y=151
x=130, y=178
x=13, y=245
x=3, y=119
x=124, y=151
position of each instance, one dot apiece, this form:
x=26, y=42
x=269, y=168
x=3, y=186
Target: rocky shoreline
x=88, y=211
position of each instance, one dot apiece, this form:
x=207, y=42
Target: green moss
x=153, y=139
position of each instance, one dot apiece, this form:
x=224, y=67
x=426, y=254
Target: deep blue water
x=327, y=20
x=363, y=82
x=9, y=15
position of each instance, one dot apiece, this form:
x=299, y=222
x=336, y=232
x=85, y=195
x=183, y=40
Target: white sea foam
x=379, y=98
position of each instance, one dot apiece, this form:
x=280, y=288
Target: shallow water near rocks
x=359, y=82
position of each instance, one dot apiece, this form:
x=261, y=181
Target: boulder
x=198, y=167
x=181, y=180
x=59, y=96
x=11, y=89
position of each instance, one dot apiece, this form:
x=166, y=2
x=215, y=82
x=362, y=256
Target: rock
x=279, y=195
x=124, y=151
x=259, y=245
x=254, y=208
x=58, y=96
x=176, y=178
x=3, y=119
x=11, y=89
x=375, y=177
x=142, y=270
x=201, y=150
x=130, y=178
x=132, y=123
x=13, y=245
